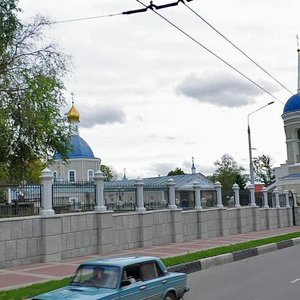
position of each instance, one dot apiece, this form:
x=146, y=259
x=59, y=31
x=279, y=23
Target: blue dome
x=292, y=104
x=79, y=149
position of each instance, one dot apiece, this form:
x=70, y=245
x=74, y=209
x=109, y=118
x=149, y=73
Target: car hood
x=77, y=293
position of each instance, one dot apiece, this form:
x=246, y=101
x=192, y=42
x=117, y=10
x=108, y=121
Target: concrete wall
x=43, y=239
x=297, y=215
x=20, y=241
x=126, y=231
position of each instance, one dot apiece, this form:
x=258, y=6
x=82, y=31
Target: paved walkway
x=11, y=278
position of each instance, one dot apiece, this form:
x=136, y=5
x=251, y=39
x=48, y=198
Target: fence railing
x=66, y=197
x=19, y=200
x=73, y=196
x=245, y=200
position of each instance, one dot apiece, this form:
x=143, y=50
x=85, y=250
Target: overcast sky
x=150, y=98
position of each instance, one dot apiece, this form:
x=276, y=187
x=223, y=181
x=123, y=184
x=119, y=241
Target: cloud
x=92, y=116
x=161, y=137
x=162, y=169
x=220, y=89
x=171, y=138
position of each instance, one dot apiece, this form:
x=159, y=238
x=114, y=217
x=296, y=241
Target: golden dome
x=73, y=114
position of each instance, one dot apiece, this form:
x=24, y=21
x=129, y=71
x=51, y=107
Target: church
x=288, y=174
x=82, y=165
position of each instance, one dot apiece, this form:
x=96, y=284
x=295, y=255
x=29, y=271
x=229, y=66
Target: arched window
x=90, y=175
x=72, y=175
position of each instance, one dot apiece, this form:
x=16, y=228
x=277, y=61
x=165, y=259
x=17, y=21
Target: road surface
x=271, y=276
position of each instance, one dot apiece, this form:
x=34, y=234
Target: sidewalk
x=29, y=274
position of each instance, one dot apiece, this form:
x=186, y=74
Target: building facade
x=288, y=174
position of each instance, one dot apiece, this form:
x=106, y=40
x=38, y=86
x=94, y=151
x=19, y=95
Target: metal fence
x=120, y=199
x=73, y=196
x=19, y=200
x=156, y=198
x=25, y=200
x=186, y=199
x=245, y=199
x=208, y=199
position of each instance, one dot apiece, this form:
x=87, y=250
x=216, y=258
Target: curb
x=222, y=259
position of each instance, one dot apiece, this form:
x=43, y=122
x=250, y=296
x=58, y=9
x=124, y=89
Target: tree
x=228, y=172
x=263, y=169
x=31, y=72
x=177, y=171
x=109, y=173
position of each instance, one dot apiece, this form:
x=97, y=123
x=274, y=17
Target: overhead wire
x=154, y=7
x=86, y=18
x=236, y=47
x=211, y=52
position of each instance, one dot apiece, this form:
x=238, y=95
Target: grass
x=36, y=289
x=190, y=257
x=33, y=290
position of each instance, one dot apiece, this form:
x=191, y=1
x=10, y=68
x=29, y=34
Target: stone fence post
x=265, y=197
x=196, y=187
x=171, y=186
x=46, y=178
x=236, y=190
x=294, y=198
x=276, y=193
x=251, y=188
x=99, y=180
x=289, y=210
x=9, y=195
x=140, y=195
x=287, y=198
x=218, y=187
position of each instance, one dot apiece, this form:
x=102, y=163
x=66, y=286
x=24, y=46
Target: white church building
x=288, y=174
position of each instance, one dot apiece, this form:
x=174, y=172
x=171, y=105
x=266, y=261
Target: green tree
x=8, y=22
x=263, y=169
x=31, y=72
x=228, y=172
x=177, y=171
x=109, y=173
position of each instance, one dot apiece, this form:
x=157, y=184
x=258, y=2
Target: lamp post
x=249, y=142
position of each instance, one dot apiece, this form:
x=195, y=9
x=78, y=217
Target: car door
x=154, y=279
x=135, y=288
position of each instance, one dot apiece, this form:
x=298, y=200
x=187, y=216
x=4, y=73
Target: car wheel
x=170, y=296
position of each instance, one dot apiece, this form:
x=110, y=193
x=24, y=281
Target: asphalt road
x=271, y=276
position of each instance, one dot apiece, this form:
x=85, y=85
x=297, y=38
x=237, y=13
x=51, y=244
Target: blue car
x=132, y=278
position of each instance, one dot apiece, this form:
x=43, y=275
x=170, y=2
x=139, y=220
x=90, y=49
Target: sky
x=150, y=98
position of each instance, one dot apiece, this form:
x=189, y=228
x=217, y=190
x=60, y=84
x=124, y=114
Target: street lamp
x=249, y=142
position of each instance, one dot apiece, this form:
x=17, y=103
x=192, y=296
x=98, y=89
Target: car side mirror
x=125, y=283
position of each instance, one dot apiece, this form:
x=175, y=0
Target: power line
x=128, y=12
x=154, y=7
x=87, y=18
x=236, y=47
x=211, y=52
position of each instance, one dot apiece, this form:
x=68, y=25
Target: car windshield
x=97, y=276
